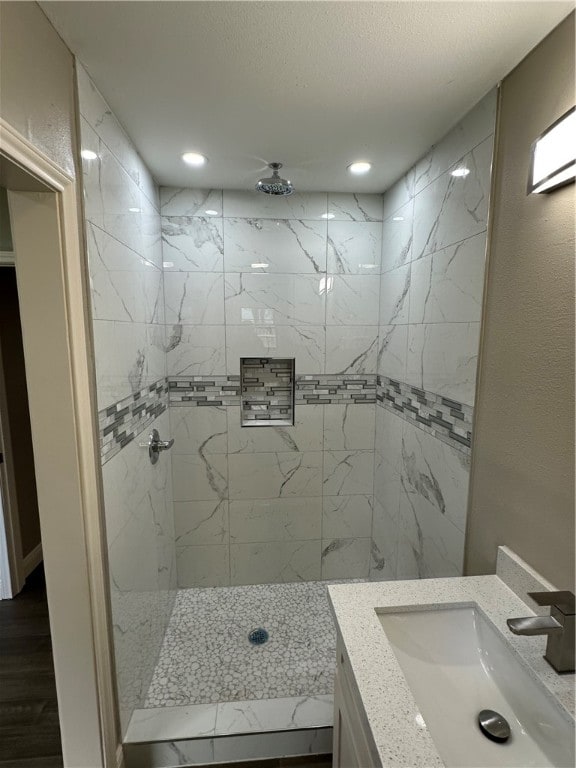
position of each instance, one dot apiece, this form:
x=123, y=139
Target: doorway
x=50, y=278
x=17, y=472
x=29, y=727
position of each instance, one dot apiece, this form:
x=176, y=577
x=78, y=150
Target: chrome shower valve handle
x=155, y=445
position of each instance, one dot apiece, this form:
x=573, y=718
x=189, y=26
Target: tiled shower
x=377, y=301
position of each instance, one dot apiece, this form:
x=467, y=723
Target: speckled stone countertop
x=387, y=700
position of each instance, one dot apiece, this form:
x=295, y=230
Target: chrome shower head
x=274, y=185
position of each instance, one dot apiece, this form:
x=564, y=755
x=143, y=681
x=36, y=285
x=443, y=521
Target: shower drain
x=258, y=636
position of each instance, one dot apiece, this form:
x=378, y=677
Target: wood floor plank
x=29, y=727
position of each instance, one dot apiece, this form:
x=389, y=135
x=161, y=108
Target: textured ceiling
x=314, y=85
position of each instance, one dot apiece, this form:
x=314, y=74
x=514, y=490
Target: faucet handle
x=565, y=601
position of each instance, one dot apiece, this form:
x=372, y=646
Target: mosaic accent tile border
x=446, y=419
x=313, y=389
x=336, y=389
x=120, y=423
x=204, y=390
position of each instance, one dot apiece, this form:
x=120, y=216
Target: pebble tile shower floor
x=206, y=656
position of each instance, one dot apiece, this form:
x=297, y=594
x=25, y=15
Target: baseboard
x=31, y=560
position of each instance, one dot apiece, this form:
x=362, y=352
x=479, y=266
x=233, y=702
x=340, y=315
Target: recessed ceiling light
x=87, y=154
x=460, y=172
x=194, y=158
x=134, y=210
x=210, y=212
x=259, y=265
x=398, y=218
x=359, y=168
x=328, y=215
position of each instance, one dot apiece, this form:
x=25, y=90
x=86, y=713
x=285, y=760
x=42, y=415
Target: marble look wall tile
x=299, y=205
x=442, y=358
x=474, y=127
x=265, y=520
x=435, y=475
x=429, y=546
x=192, y=244
x=141, y=564
x=349, y=427
x=345, y=558
x=305, y=343
x=207, y=566
x=348, y=472
x=133, y=296
x=384, y=545
x=195, y=350
x=200, y=477
x=305, y=435
x=151, y=248
x=128, y=356
x=111, y=253
x=392, y=351
x=354, y=207
x=399, y=193
x=201, y=522
x=352, y=349
x=388, y=442
x=190, y=202
x=199, y=430
x=387, y=475
x=269, y=299
x=452, y=208
x=97, y=113
x=354, y=247
x=116, y=204
x=194, y=298
x=283, y=245
x=395, y=296
x=352, y=300
x=447, y=286
x=397, y=238
x=274, y=562
x=347, y=517
x=275, y=475
x=132, y=485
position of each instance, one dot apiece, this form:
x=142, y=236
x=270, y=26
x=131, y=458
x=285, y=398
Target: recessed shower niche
x=267, y=391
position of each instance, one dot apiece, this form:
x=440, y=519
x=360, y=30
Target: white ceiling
x=314, y=85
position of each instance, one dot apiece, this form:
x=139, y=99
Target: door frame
x=69, y=490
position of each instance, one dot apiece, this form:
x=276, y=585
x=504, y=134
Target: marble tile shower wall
x=249, y=276
x=433, y=259
x=122, y=223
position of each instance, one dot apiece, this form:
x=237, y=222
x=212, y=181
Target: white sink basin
x=456, y=665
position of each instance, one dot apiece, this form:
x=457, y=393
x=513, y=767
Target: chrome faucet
x=559, y=627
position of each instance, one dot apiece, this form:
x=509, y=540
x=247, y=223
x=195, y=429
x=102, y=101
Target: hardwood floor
x=29, y=730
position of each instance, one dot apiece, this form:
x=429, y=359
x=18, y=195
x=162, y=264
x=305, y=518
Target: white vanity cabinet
x=353, y=747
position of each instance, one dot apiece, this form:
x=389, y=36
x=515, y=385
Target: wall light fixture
x=554, y=155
